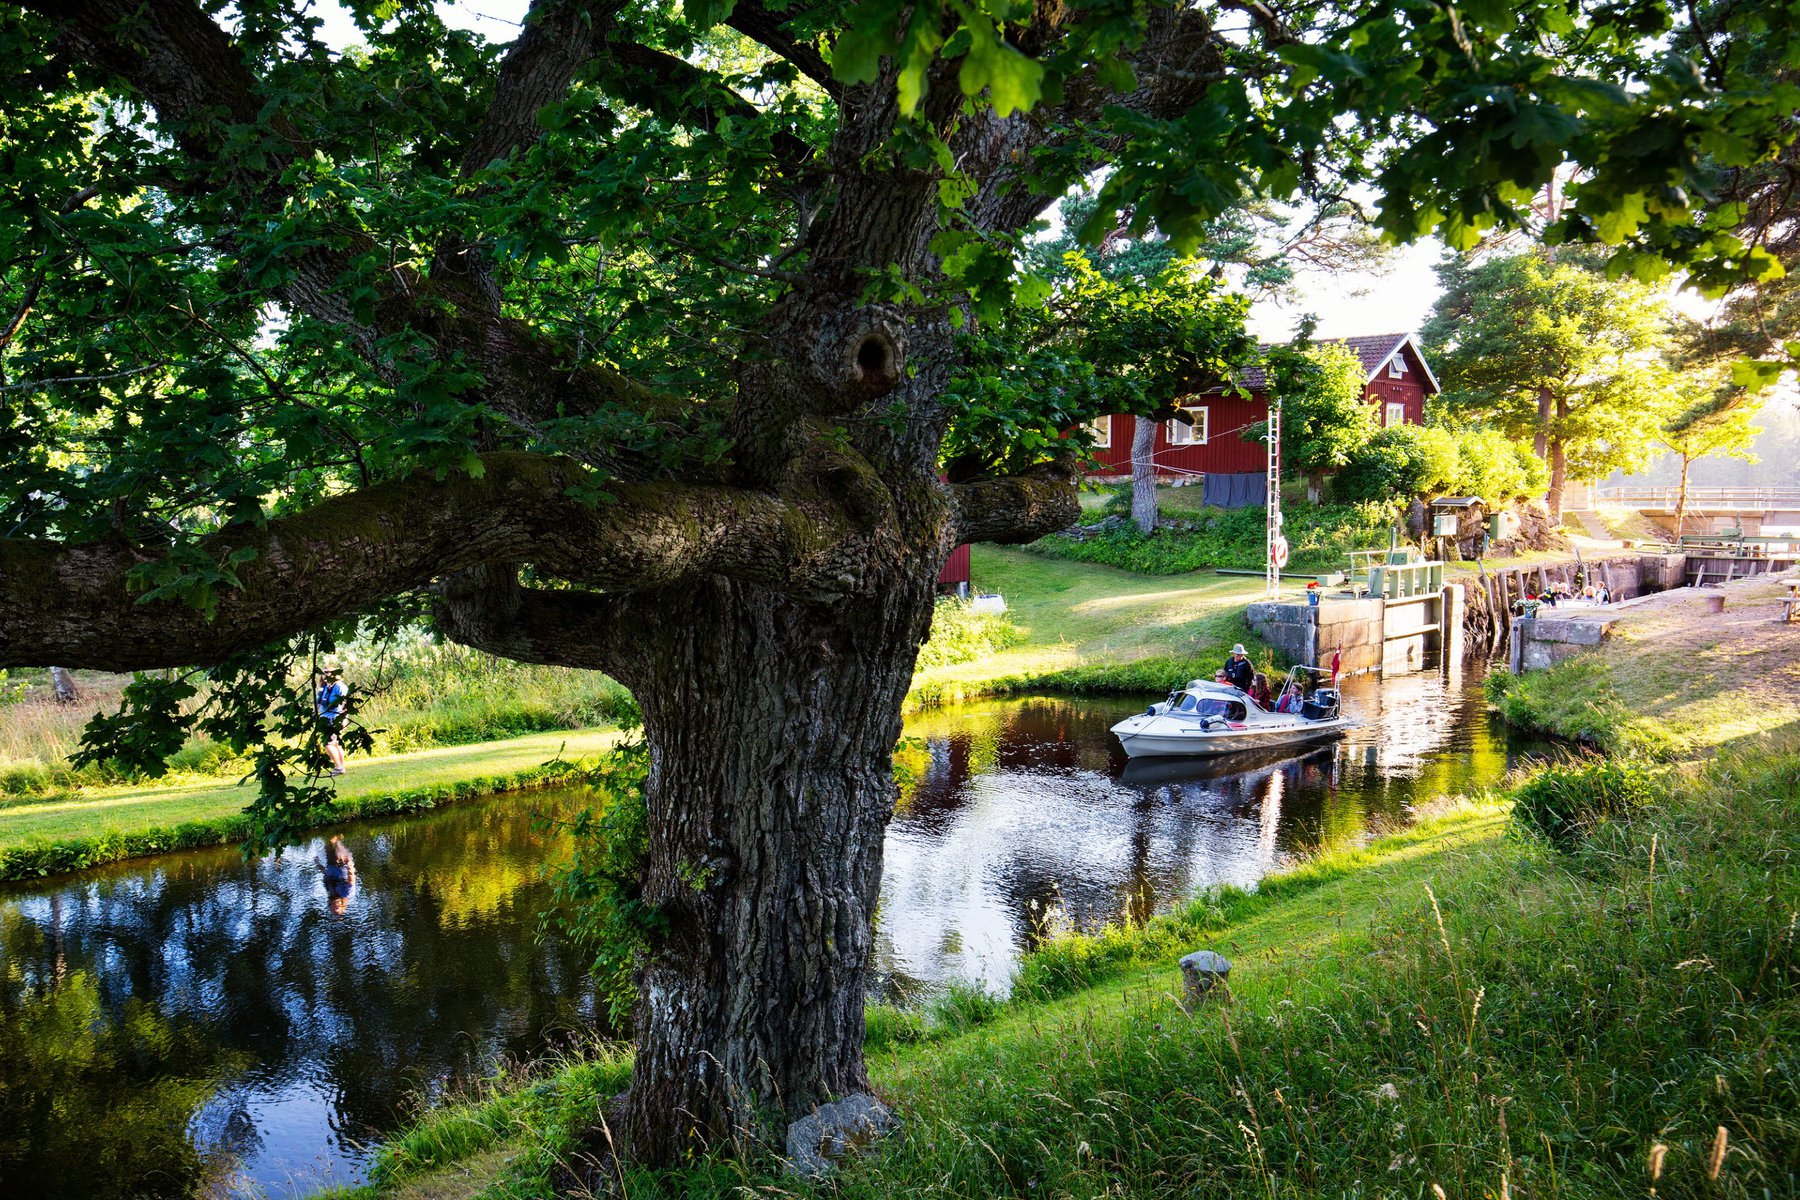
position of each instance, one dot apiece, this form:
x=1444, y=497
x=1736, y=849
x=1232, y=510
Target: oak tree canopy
x=625, y=344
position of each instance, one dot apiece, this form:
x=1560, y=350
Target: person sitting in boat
x=1291, y=700
x=1238, y=669
x=1259, y=692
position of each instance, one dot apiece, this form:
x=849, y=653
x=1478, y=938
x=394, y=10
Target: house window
x=1101, y=428
x=1397, y=367
x=1396, y=413
x=1180, y=433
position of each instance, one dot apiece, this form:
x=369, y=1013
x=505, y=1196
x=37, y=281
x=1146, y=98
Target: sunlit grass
x=1674, y=681
x=1094, y=628
x=132, y=810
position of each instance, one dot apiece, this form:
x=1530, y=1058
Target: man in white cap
x=1238, y=669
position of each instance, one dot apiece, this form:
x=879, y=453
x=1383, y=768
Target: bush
x=959, y=634
x=1568, y=803
x=1320, y=538
x=1493, y=466
x=1402, y=461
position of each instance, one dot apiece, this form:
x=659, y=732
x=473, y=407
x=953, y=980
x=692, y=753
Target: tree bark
x=1315, y=486
x=1681, y=500
x=1540, y=443
x=771, y=726
x=1559, y=460
x=1143, y=475
x=1559, y=467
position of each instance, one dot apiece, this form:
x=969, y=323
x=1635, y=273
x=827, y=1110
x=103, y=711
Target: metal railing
x=1749, y=498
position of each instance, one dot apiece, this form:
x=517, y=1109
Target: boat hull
x=1146, y=736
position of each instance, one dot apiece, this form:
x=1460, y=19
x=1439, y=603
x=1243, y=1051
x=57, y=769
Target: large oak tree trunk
x=771, y=725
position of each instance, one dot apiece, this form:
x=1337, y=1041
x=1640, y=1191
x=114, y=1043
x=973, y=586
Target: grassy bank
x=1672, y=680
x=416, y=697
x=74, y=831
x=1458, y=1010
x=1090, y=628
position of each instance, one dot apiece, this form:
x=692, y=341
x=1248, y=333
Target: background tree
x=1554, y=353
x=1099, y=344
x=1718, y=424
x=1257, y=245
x=626, y=346
x=1325, y=420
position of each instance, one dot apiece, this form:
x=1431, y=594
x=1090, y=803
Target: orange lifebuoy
x=1281, y=553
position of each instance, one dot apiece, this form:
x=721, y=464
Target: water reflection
x=264, y=1021
x=1023, y=818
x=198, y=1025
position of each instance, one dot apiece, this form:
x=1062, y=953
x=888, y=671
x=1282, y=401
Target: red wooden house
x=1397, y=380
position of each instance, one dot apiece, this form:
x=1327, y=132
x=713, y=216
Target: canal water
x=198, y=1025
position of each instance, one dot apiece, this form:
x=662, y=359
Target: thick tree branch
x=75, y=605
x=558, y=39
x=680, y=92
x=1017, y=508
x=486, y=608
x=757, y=23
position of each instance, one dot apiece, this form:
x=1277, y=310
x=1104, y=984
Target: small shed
x=955, y=575
x=1461, y=520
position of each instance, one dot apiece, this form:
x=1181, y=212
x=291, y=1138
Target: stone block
x=1575, y=632
x=1202, y=972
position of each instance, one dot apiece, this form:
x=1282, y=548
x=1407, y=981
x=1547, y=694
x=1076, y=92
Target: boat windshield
x=1211, y=706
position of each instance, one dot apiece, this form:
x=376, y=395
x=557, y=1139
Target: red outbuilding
x=1397, y=380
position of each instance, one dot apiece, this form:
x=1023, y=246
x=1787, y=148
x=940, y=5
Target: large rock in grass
x=832, y=1132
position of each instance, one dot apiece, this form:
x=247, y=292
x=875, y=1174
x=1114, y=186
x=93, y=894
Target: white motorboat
x=1215, y=718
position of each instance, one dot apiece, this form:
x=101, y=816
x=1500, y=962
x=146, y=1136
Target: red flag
x=1337, y=657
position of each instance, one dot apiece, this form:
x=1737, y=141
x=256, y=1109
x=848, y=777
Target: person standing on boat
x=1238, y=670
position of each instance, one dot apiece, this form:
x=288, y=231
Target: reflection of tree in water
x=95, y=1102
x=434, y=972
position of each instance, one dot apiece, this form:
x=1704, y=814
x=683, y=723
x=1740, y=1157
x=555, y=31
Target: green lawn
x=1082, y=617
x=135, y=809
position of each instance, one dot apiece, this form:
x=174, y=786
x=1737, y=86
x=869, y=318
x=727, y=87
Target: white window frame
x=1397, y=366
x=1179, y=433
x=1101, y=429
x=1394, y=413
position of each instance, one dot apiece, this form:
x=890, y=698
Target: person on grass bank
x=331, y=700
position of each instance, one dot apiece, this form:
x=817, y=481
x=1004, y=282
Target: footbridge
x=1752, y=511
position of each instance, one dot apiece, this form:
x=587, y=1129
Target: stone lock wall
x=1356, y=629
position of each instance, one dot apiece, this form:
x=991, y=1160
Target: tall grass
x=959, y=634
x=417, y=694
